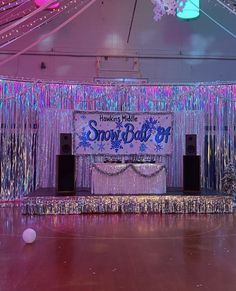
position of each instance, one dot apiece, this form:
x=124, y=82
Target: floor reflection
x=118, y=252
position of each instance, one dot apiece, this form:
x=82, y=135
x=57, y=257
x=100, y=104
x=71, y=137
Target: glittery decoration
x=126, y=167
x=127, y=204
x=32, y=114
x=229, y=179
x=147, y=128
x=167, y=7
x=118, y=178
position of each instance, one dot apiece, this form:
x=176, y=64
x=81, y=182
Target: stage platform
x=46, y=201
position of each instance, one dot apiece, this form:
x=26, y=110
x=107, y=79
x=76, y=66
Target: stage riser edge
x=127, y=204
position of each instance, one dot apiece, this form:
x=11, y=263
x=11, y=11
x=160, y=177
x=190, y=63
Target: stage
x=46, y=201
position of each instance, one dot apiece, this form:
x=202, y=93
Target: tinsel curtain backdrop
x=32, y=114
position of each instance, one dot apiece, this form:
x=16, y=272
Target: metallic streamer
x=127, y=204
x=133, y=167
x=32, y=114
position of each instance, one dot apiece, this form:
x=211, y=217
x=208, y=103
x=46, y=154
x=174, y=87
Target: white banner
x=123, y=133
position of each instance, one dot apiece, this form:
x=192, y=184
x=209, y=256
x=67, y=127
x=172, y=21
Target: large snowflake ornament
x=159, y=11
x=168, y=7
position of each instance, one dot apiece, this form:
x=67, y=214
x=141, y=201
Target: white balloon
x=29, y=235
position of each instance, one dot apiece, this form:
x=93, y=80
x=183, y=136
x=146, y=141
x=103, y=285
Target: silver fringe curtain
x=33, y=114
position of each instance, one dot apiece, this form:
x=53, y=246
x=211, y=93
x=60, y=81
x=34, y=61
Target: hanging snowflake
x=159, y=11
x=116, y=145
x=168, y=7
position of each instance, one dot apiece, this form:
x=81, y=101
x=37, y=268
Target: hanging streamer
x=86, y=6
x=33, y=114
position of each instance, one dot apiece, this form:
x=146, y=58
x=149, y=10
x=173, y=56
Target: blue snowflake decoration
x=151, y=124
x=116, y=145
x=158, y=147
x=84, y=140
x=142, y=147
x=119, y=124
x=101, y=147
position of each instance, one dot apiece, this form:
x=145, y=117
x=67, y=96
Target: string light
x=27, y=17
x=24, y=29
x=86, y=6
x=230, y=5
x=216, y=22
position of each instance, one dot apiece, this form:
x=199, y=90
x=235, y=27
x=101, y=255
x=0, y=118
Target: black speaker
x=65, y=143
x=191, y=144
x=192, y=173
x=65, y=179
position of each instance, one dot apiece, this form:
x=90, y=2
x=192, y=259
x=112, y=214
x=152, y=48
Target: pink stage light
x=40, y=3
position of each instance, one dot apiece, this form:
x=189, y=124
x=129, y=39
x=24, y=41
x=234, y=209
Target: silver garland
x=133, y=167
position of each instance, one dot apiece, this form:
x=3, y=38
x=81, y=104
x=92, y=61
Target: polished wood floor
x=118, y=252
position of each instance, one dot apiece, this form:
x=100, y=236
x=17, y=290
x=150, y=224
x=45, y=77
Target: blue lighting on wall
x=191, y=10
